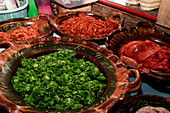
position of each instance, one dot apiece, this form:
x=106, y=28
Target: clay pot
x=44, y=28
x=134, y=103
x=141, y=32
x=116, y=72
x=57, y=20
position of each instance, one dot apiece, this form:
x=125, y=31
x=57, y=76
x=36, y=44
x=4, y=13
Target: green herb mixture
x=58, y=81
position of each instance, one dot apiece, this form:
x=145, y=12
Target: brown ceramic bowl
x=116, y=17
x=44, y=28
x=116, y=73
x=134, y=103
x=141, y=32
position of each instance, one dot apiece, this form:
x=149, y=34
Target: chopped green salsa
x=58, y=81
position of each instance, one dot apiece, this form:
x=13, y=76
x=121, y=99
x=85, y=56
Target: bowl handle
x=39, y=16
x=51, y=19
x=4, y=108
x=7, y=106
x=145, y=24
x=6, y=44
x=134, y=85
x=121, y=18
x=131, y=71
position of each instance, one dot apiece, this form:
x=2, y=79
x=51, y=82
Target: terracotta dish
x=134, y=103
x=10, y=26
x=89, y=27
x=116, y=73
x=141, y=32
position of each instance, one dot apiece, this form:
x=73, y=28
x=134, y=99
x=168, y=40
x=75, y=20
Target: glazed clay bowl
x=141, y=32
x=116, y=73
x=57, y=21
x=136, y=102
x=9, y=26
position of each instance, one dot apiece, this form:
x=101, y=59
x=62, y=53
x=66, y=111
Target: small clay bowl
x=44, y=28
x=134, y=103
x=116, y=17
x=141, y=32
x=116, y=73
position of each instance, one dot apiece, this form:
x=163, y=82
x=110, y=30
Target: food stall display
x=84, y=62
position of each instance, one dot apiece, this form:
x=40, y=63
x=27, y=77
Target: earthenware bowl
x=44, y=28
x=134, y=103
x=141, y=32
x=57, y=21
x=116, y=73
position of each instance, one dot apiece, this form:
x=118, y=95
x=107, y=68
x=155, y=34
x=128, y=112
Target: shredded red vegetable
x=22, y=33
x=88, y=27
